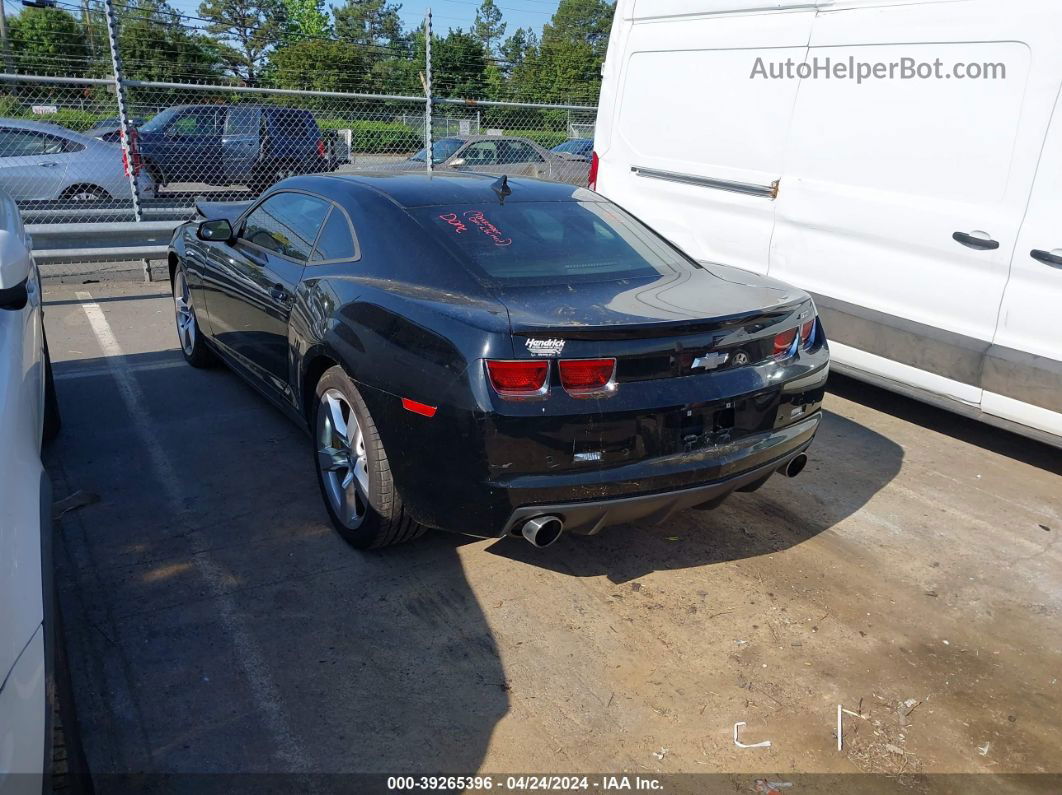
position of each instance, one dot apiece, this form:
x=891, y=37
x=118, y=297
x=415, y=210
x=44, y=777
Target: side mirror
x=218, y=230
x=457, y=163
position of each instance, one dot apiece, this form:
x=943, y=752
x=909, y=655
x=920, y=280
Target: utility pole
x=86, y=24
x=429, y=146
x=3, y=39
x=123, y=119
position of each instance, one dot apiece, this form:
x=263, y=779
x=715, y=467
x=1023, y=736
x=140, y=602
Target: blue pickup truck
x=252, y=145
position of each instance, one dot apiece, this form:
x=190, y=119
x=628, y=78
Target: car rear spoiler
x=230, y=211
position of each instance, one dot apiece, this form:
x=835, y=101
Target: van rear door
x=902, y=196
x=241, y=143
x=686, y=139
x=1023, y=369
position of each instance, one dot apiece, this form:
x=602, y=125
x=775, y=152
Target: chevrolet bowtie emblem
x=710, y=361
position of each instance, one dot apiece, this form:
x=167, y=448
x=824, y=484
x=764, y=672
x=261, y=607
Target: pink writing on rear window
x=454, y=221
x=479, y=220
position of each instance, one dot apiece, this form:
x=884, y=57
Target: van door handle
x=1047, y=257
x=981, y=241
x=279, y=294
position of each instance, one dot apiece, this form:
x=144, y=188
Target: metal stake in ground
x=123, y=119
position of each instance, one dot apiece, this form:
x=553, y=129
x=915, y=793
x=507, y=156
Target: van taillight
x=134, y=153
x=521, y=378
x=587, y=377
x=592, y=181
x=321, y=153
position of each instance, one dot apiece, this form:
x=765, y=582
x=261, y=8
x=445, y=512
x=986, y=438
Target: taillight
x=521, y=378
x=134, y=154
x=807, y=333
x=592, y=180
x=783, y=342
x=321, y=153
x=587, y=377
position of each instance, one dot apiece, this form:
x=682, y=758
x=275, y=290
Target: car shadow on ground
x=234, y=631
x=848, y=465
x=965, y=429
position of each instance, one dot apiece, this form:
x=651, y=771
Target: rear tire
x=193, y=345
x=85, y=193
x=352, y=468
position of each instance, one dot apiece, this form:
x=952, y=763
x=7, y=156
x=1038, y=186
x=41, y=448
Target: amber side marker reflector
x=419, y=408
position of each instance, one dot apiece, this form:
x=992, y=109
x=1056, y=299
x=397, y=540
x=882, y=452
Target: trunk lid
x=656, y=327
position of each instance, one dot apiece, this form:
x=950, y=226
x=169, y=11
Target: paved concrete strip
x=255, y=669
x=95, y=372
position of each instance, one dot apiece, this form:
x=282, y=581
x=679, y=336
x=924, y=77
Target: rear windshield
x=541, y=242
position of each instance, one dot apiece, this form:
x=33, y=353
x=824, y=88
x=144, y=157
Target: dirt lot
x=216, y=622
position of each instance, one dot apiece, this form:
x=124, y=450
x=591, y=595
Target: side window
x=26, y=143
x=481, y=153
x=242, y=121
x=199, y=122
x=518, y=152
x=336, y=241
x=286, y=224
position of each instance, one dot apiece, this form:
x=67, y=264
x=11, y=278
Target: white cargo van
x=899, y=159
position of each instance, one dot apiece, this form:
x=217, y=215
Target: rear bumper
x=757, y=459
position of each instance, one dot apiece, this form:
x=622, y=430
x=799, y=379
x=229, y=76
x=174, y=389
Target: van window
x=243, y=121
x=541, y=242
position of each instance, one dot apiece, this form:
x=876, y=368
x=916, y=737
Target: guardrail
x=59, y=243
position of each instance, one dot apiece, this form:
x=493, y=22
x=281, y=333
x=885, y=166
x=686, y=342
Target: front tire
x=352, y=468
x=193, y=346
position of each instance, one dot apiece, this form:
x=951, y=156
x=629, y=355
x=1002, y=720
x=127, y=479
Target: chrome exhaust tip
x=794, y=466
x=542, y=530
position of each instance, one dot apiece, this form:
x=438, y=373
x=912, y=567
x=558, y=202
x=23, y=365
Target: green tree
x=515, y=49
x=48, y=41
x=246, y=29
x=306, y=19
x=318, y=65
x=155, y=46
x=459, y=65
x=369, y=23
x=488, y=26
x=573, y=48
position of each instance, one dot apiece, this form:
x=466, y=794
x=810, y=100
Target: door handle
x=279, y=294
x=980, y=241
x=1047, y=257
x=48, y=165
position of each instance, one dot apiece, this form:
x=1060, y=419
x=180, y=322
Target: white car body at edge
x=921, y=214
x=24, y=709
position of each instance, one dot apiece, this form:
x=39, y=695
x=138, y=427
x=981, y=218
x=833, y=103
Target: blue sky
x=451, y=13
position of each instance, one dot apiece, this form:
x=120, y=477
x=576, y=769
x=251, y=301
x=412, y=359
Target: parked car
x=578, y=369
x=110, y=130
x=39, y=160
x=33, y=686
x=487, y=154
x=253, y=145
x=575, y=149
x=921, y=213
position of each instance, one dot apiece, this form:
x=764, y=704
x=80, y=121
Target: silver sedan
x=39, y=160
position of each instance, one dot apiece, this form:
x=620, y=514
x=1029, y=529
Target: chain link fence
x=61, y=156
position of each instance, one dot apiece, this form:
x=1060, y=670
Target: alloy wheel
x=182, y=301
x=341, y=458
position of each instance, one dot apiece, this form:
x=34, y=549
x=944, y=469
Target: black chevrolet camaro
x=498, y=356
